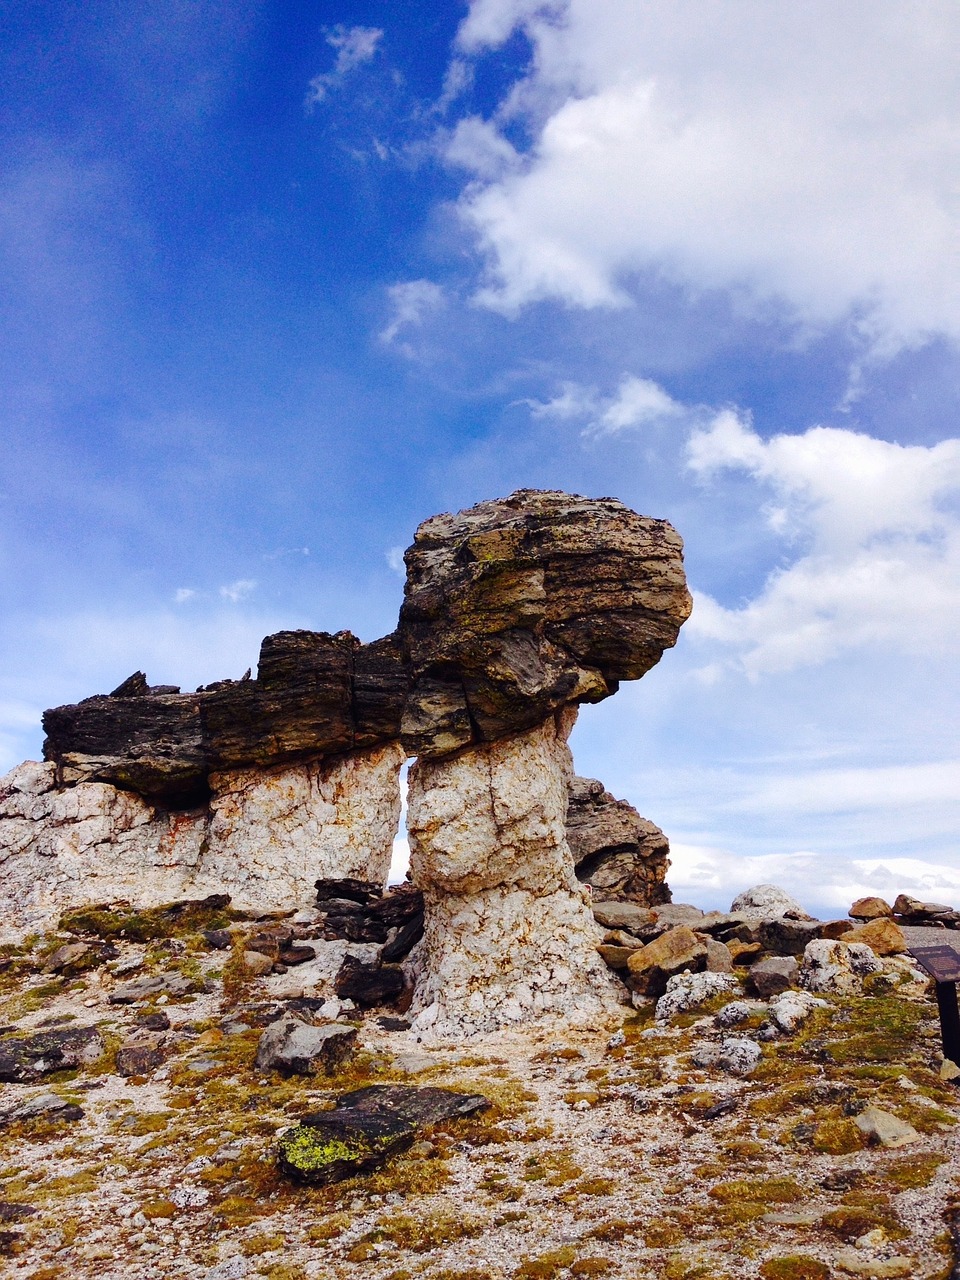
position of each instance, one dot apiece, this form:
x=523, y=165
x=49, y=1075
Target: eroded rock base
x=508, y=934
x=265, y=838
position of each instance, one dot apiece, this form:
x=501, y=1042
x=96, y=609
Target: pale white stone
x=505, y=914
x=265, y=837
x=689, y=990
x=768, y=901
x=790, y=1009
x=837, y=967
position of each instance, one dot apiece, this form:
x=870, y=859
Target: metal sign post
x=943, y=966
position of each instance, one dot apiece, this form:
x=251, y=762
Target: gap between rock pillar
x=509, y=933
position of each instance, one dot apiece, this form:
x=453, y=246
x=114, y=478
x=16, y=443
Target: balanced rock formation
x=515, y=612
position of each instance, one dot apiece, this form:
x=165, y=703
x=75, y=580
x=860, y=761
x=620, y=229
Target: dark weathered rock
x=786, y=937
x=295, y=1047
x=348, y=890
x=774, y=974
x=295, y=955
x=625, y=915
x=512, y=609
x=368, y=985
x=675, y=951
x=365, y=1129
x=406, y=938
x=140, y=1057
x=619, y=854
x=47, y=1107
x=515, y=607
x=26, y=1059
x=367, y=917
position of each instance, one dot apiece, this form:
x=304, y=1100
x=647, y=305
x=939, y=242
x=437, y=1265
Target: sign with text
x=942, y=963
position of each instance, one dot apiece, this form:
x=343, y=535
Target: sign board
x=942, y=963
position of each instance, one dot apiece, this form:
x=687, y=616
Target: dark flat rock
x=365, y=1129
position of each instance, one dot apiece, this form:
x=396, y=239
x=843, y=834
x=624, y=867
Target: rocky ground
x=799, y=1136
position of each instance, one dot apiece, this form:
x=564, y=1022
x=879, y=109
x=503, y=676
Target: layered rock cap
x=512, y=609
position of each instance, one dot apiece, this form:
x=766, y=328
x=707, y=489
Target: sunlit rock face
x=520, y=606
x=509, y=933
x=264, y=838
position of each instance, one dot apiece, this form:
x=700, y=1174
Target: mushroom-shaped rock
x=517, y=607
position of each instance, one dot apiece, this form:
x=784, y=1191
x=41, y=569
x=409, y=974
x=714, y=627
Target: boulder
x=913, y=911
x=768, y=901
x=652, y=966
x=520, y=606
x=623, y=915
x=368, y=985
x=686, y=991
x=790, y=1010
x=24, y=1059
x=837, y=968
x=870, y=909
x=295, y=1047
x=365, y=1128
x=734, y=1054
x=882, y=935
x=719, y=959
x=671, y=914
x=771, y=976
x=784, y=936
x=620, y=855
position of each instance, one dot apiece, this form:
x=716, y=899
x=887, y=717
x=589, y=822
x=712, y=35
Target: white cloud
x=239, y=590
x=804, y=154
x=410, y=301
x=354, y=46
x=476, y=145
x=712, y=876
x=183, y=594
x=879, y=537
x=637, y=402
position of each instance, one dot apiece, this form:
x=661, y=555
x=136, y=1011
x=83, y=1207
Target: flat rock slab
x=366, y=1127
x=26, y=1059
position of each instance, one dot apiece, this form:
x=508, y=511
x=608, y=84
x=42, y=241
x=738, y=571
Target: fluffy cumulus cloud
x=803, y=155
x=873, y=529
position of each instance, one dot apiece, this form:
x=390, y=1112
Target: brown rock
x=870, y=909
x=719, y=959
x=882, y=935
x=834, y=929
x=257, y=963
x=743, y=952
x=619, y=854
x=673, y=952
x=616, y=957
x=139, y=1057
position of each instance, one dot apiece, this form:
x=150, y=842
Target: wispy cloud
x=354, y=46
x=239, y=590
x=410, y=302
x=637, y=402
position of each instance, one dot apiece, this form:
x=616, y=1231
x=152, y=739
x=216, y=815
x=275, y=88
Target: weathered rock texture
x=265, y=837
x=512, y=609
x=514, y=612
x=620, y=855
x=509, y=932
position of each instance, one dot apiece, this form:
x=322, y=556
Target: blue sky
x=280, y=280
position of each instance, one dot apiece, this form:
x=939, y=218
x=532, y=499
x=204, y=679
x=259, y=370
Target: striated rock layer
x=511, y=610
x=621, y=856
x=509, y=933
x=265, y=837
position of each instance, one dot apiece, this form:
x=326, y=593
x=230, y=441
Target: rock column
x=509, y=932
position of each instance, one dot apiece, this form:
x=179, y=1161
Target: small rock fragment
x=884, y=1128
x=257, y=963
x=949, y=1071
x=140, y=1057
